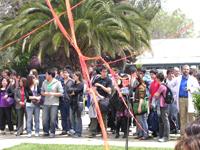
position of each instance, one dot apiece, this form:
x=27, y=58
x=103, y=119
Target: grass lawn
x=72, y=147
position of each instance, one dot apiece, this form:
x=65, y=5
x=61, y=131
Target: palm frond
x=36, y=39
x=66, y=49
x=56, y=40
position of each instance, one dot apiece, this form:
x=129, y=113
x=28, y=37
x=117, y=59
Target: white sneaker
x=36, y=134
x=163, y=139
x=71, y=132
x=29, y=135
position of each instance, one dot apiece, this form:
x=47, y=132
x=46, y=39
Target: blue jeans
x=49, y=118
x=142, y=119
x=65, y=114
x=76, y=120
x=30, y=110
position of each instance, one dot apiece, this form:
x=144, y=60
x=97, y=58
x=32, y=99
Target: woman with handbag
x=140, y=110
x=6, y=102
x=33, y=105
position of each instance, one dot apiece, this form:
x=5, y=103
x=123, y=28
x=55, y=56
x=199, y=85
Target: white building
x=171, y=52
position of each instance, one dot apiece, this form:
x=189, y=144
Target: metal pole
x=127, y=128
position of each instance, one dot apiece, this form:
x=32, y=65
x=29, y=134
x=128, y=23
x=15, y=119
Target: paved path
x=11, y=140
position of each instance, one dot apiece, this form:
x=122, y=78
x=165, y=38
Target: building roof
x=172, y=51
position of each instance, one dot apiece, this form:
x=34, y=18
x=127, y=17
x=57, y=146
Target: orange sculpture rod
x=85, y=71
x=82, y=62
x=120, y=94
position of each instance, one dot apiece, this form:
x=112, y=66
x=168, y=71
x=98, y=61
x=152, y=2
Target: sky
x=189, y=7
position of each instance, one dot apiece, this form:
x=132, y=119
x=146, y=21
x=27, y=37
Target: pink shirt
x=162, y=92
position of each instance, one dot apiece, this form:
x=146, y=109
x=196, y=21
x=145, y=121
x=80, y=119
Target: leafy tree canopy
x=171, y=25
x=101, y=26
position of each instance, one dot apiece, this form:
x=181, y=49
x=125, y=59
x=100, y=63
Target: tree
x=148, y=8
x=102, y=27
x=9, y=8
x=175, y=25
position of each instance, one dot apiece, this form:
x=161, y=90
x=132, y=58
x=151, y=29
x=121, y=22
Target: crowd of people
x=143, y=93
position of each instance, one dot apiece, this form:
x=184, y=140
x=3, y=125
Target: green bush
x=196, y=100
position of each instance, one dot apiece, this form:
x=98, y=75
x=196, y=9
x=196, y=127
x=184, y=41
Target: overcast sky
x=190, y=7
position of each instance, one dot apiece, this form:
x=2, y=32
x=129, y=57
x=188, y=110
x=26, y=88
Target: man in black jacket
x=103, y=86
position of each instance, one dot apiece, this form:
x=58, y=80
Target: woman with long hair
x=76, y=103
x=6, y=102
x=33, y=105
x=21, y=98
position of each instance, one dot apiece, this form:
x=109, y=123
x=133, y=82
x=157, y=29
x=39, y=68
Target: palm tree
x=101, y=26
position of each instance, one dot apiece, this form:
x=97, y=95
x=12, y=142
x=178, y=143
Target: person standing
x=184, y=86
x=6, y=102
x=163, y=114
x=121, y=113
x=103, y=87
x=152, y=90
x=140, y=94
x=65, y=103
x=76, y=103
x=51, y=90
x=33, y=105
x=21, y=98
x=173, y=110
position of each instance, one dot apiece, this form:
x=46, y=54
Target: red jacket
x=153, y=89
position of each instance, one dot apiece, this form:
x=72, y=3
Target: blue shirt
x=183, y=87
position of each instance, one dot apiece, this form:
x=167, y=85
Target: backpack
x=169, y=99
x=153, y=121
